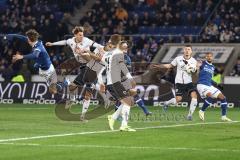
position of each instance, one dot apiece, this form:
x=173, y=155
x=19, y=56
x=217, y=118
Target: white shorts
x=50, y=75
x=204, y=89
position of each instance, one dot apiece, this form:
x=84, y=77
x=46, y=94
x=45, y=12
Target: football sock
x=171, y=101
x=141, y=104
x=207, y=102
x=193, y=106
x=125, y=114
x=117, y=113
x=224, y=107
x=86, y=104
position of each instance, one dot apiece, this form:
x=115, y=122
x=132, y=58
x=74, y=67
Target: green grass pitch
x=34, y=132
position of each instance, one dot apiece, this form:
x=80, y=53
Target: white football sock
x=86, y=104
x=193, y=106
x=125, y=113
x=171, y=101
x=117, y=113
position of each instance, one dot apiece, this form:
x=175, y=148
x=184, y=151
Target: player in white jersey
x=79, y=45
x=186, y=66
x=114, y=61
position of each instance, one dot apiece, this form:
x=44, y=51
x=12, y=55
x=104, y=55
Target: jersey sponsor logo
x=207, y=69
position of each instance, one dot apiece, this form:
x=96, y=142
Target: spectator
x=121, y=14
x=236, y=69
x=226, y=36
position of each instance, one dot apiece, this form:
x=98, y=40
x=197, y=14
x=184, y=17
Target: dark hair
x=32, y=35
x=124, y=42
x=77, y=29
x=115, y=39
x=188, y=46
x=209, y=53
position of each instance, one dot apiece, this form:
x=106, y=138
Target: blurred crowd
x=51, y=19
x=225, y=24
x=236, y=69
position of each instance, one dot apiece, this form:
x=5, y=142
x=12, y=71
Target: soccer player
x=206, y=89
x=41, y=58
x=127, y=84
x=114, y=63
x=79, y=45
x=183, y=79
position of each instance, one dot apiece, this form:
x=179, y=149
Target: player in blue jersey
x=206, y=89
x=124, y=47
x=41, y=58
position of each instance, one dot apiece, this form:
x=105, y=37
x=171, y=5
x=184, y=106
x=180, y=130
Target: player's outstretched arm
x=32, y=55
x=10, y=37
x=160, y=66
x=58, y=43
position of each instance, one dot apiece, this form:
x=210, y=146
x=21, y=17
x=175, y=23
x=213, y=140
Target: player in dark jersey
x=41, y=58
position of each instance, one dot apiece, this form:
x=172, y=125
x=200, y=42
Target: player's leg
x=193, y=104
x=127, y=103
x=78, y=81
x=86, y=104
x=179, y=90
x=205, y=93
x=119, y=93
x=51, y=77
x=138, y=100
x=224, y=103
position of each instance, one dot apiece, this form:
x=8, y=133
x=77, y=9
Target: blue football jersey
x=128, y=62
x=42, y=60
x=39, y=54
x=206, y=73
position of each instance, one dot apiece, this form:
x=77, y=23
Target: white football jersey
x=95, y=65
x=114, y=63
x=182, y=76
x=85, y=44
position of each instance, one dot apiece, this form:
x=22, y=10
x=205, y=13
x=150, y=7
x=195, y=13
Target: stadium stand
x=147, y=24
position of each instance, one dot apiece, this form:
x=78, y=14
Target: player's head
x=32, y=36
x=123, y=46
x=107, y=47
x=187, y=51
x=209, y=57
x=78, y=33
x=114, y=40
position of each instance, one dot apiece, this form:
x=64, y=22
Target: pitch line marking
x=109, y=131
x=120, y=147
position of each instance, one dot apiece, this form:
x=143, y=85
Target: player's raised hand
x=17, y=57
x=49, y=44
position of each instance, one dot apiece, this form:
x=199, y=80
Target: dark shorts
x=79, y=79
x=117, y=91
x=181, y=89
x=86, y=76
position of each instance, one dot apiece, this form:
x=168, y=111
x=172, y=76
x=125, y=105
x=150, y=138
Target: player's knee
x=178, y=99
x=53, y=89
x=88, y=95
x=221, y=96
x=194, y=94
x=132, y=92
x=209, y=94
